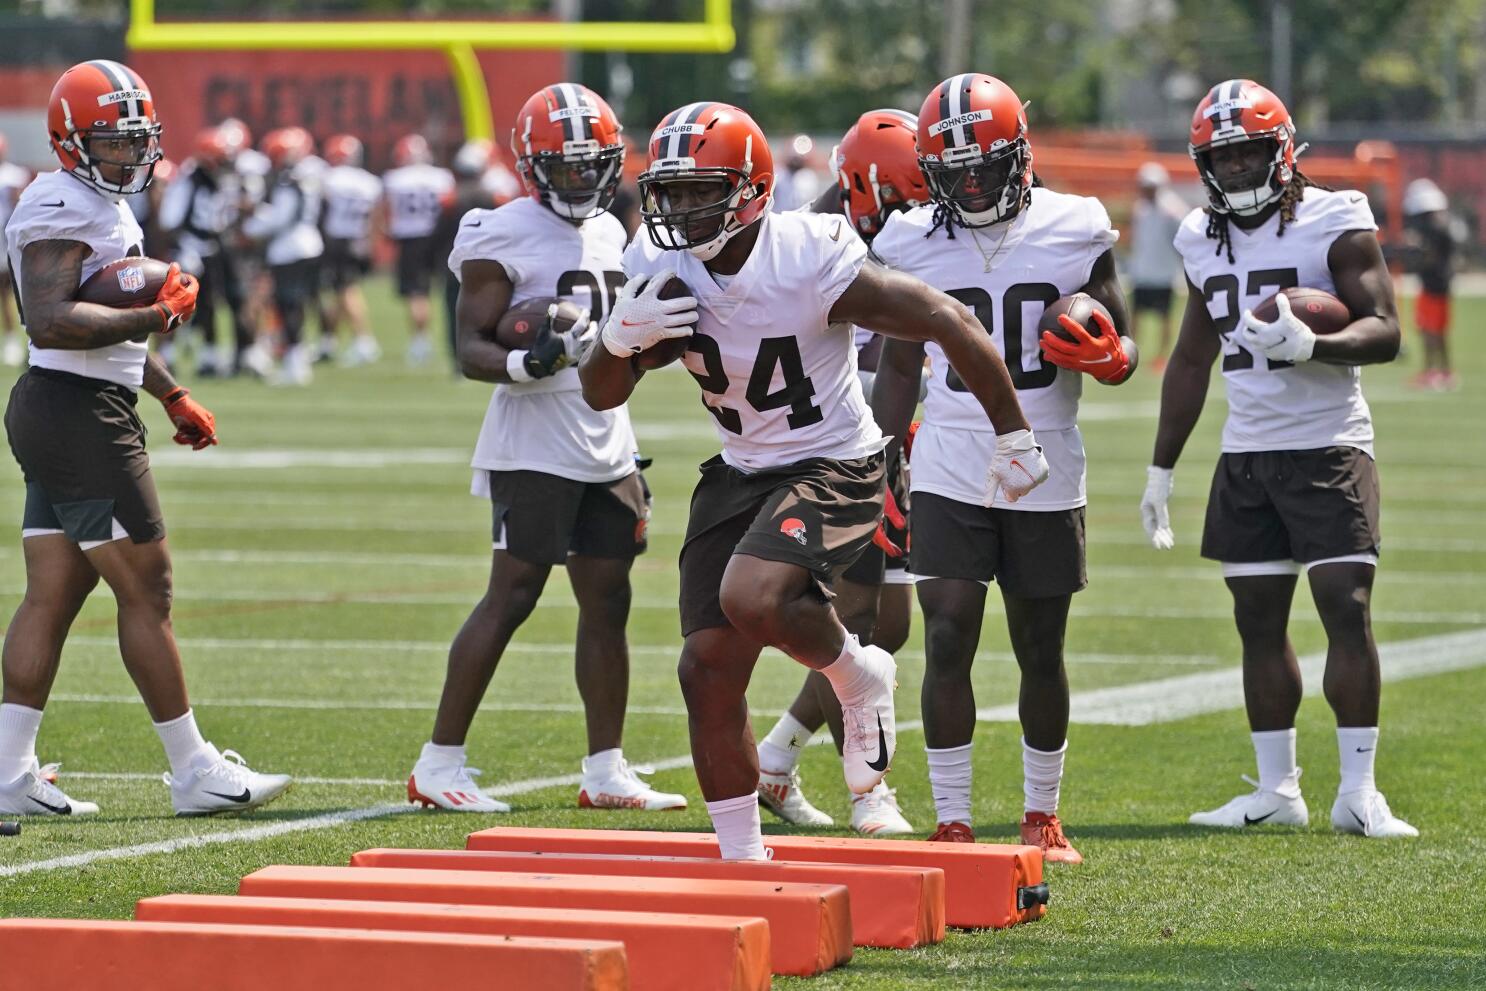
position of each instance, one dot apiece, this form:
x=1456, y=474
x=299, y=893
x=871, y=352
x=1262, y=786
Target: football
x=518, y=326
x=1080, y=306
x=1316, y=308
x=669, y=350
x=125, y=283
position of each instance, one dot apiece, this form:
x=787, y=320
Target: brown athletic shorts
x=1292, y=506
x=81, y=448
x=1033, y=555
x=542, y=518
x=818, y=514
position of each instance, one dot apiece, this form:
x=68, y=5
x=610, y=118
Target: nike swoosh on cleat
x=62, y=810
x=880, y=764
x=246, y=796
x=1254, y=822
x=1359, y=819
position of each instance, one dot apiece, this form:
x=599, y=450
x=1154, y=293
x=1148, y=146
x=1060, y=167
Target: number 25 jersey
x=1046, y=252
x=1279, y=406
x=545, y=425
x=779, y=379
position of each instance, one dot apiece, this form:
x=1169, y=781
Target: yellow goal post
x=458, y=40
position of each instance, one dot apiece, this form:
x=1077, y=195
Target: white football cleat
x=1366, y=813
x=1269, y=808
x=877, y=814
x=871, y=729
x=420, y=350
x=227, y=785
x=36, y=793
x=450, y=785
x=781, y=795
x=621, y=788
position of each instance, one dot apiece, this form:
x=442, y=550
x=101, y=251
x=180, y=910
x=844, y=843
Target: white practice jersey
x=415, y=198
x=13, y=179
x=58, y=206
x=546, y=425
x=1274, y=406
x=1047, y=251
x=777, y=376
x=288, y=220
x=350, y=195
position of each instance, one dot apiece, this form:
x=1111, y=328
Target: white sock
x=1042, y=774
x=779, y=752
x=949, y=778
x=184, y=745
x=441, y=754
x=1275, y=752
x=735, y=820
x=19, y=725
x=605, y=762
x=1358, y=746
x=848, y=676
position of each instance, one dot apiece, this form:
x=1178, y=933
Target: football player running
x=562, y=478
x=91, y=510
x=877, y=175
x=1006, y=247
x=1295, y=489
x=797, y=492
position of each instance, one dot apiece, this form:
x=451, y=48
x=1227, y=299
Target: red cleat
x=952, y=832
x=1045, y=831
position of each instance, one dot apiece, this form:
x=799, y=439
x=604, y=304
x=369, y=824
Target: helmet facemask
x=578, y=183
x=131, y=150
x=981, y=189
x=702, y=230
x=1248, y=192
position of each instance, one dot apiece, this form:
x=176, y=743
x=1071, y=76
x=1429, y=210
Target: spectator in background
x=351, y=195
x=473, y=190
x=13, y=179
x=1153, y=261
x=414, y=193
x=1435, y=237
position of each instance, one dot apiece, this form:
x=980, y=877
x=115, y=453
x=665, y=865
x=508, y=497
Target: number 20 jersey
x=779, y=379
x=545, y=425
x=1048, y=251
x=1277, y=406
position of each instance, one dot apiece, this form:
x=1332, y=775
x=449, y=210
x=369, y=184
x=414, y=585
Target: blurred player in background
x=1153, y=263
x=1436, y=238
x=1005, y=246
x=562, y=477
x=196, y=210
x=350, y=196
x=287, y=225
x=877, y=175
x=796, y=494
x=471, y=167
x=1295, y=489
x=91, y=510
x=414, y=193
x=249, y=289
x=13, y=179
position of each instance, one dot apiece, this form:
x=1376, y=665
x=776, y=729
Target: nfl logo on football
x=131, y=278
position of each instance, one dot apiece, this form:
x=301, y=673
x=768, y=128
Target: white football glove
x=579, y=338
x=1286, y=339
x=1153, y=512
x=641, y=319
x=1017, y=468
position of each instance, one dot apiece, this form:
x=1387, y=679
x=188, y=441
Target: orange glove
x=176, y=300
x=1102, y=357
x=892, y=530
x=194, y=424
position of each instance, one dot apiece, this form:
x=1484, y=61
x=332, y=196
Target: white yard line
x=1169, y=699
x=1160, y=701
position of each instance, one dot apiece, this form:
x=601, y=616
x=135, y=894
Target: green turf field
x=328, y=551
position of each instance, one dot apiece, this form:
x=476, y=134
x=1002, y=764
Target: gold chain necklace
x=990, y=259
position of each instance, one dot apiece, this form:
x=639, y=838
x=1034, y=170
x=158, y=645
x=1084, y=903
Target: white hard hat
x=1423, y=196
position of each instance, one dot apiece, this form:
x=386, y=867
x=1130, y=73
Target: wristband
x=516, y=367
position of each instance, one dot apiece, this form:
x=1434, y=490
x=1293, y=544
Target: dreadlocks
x=1217, y=223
